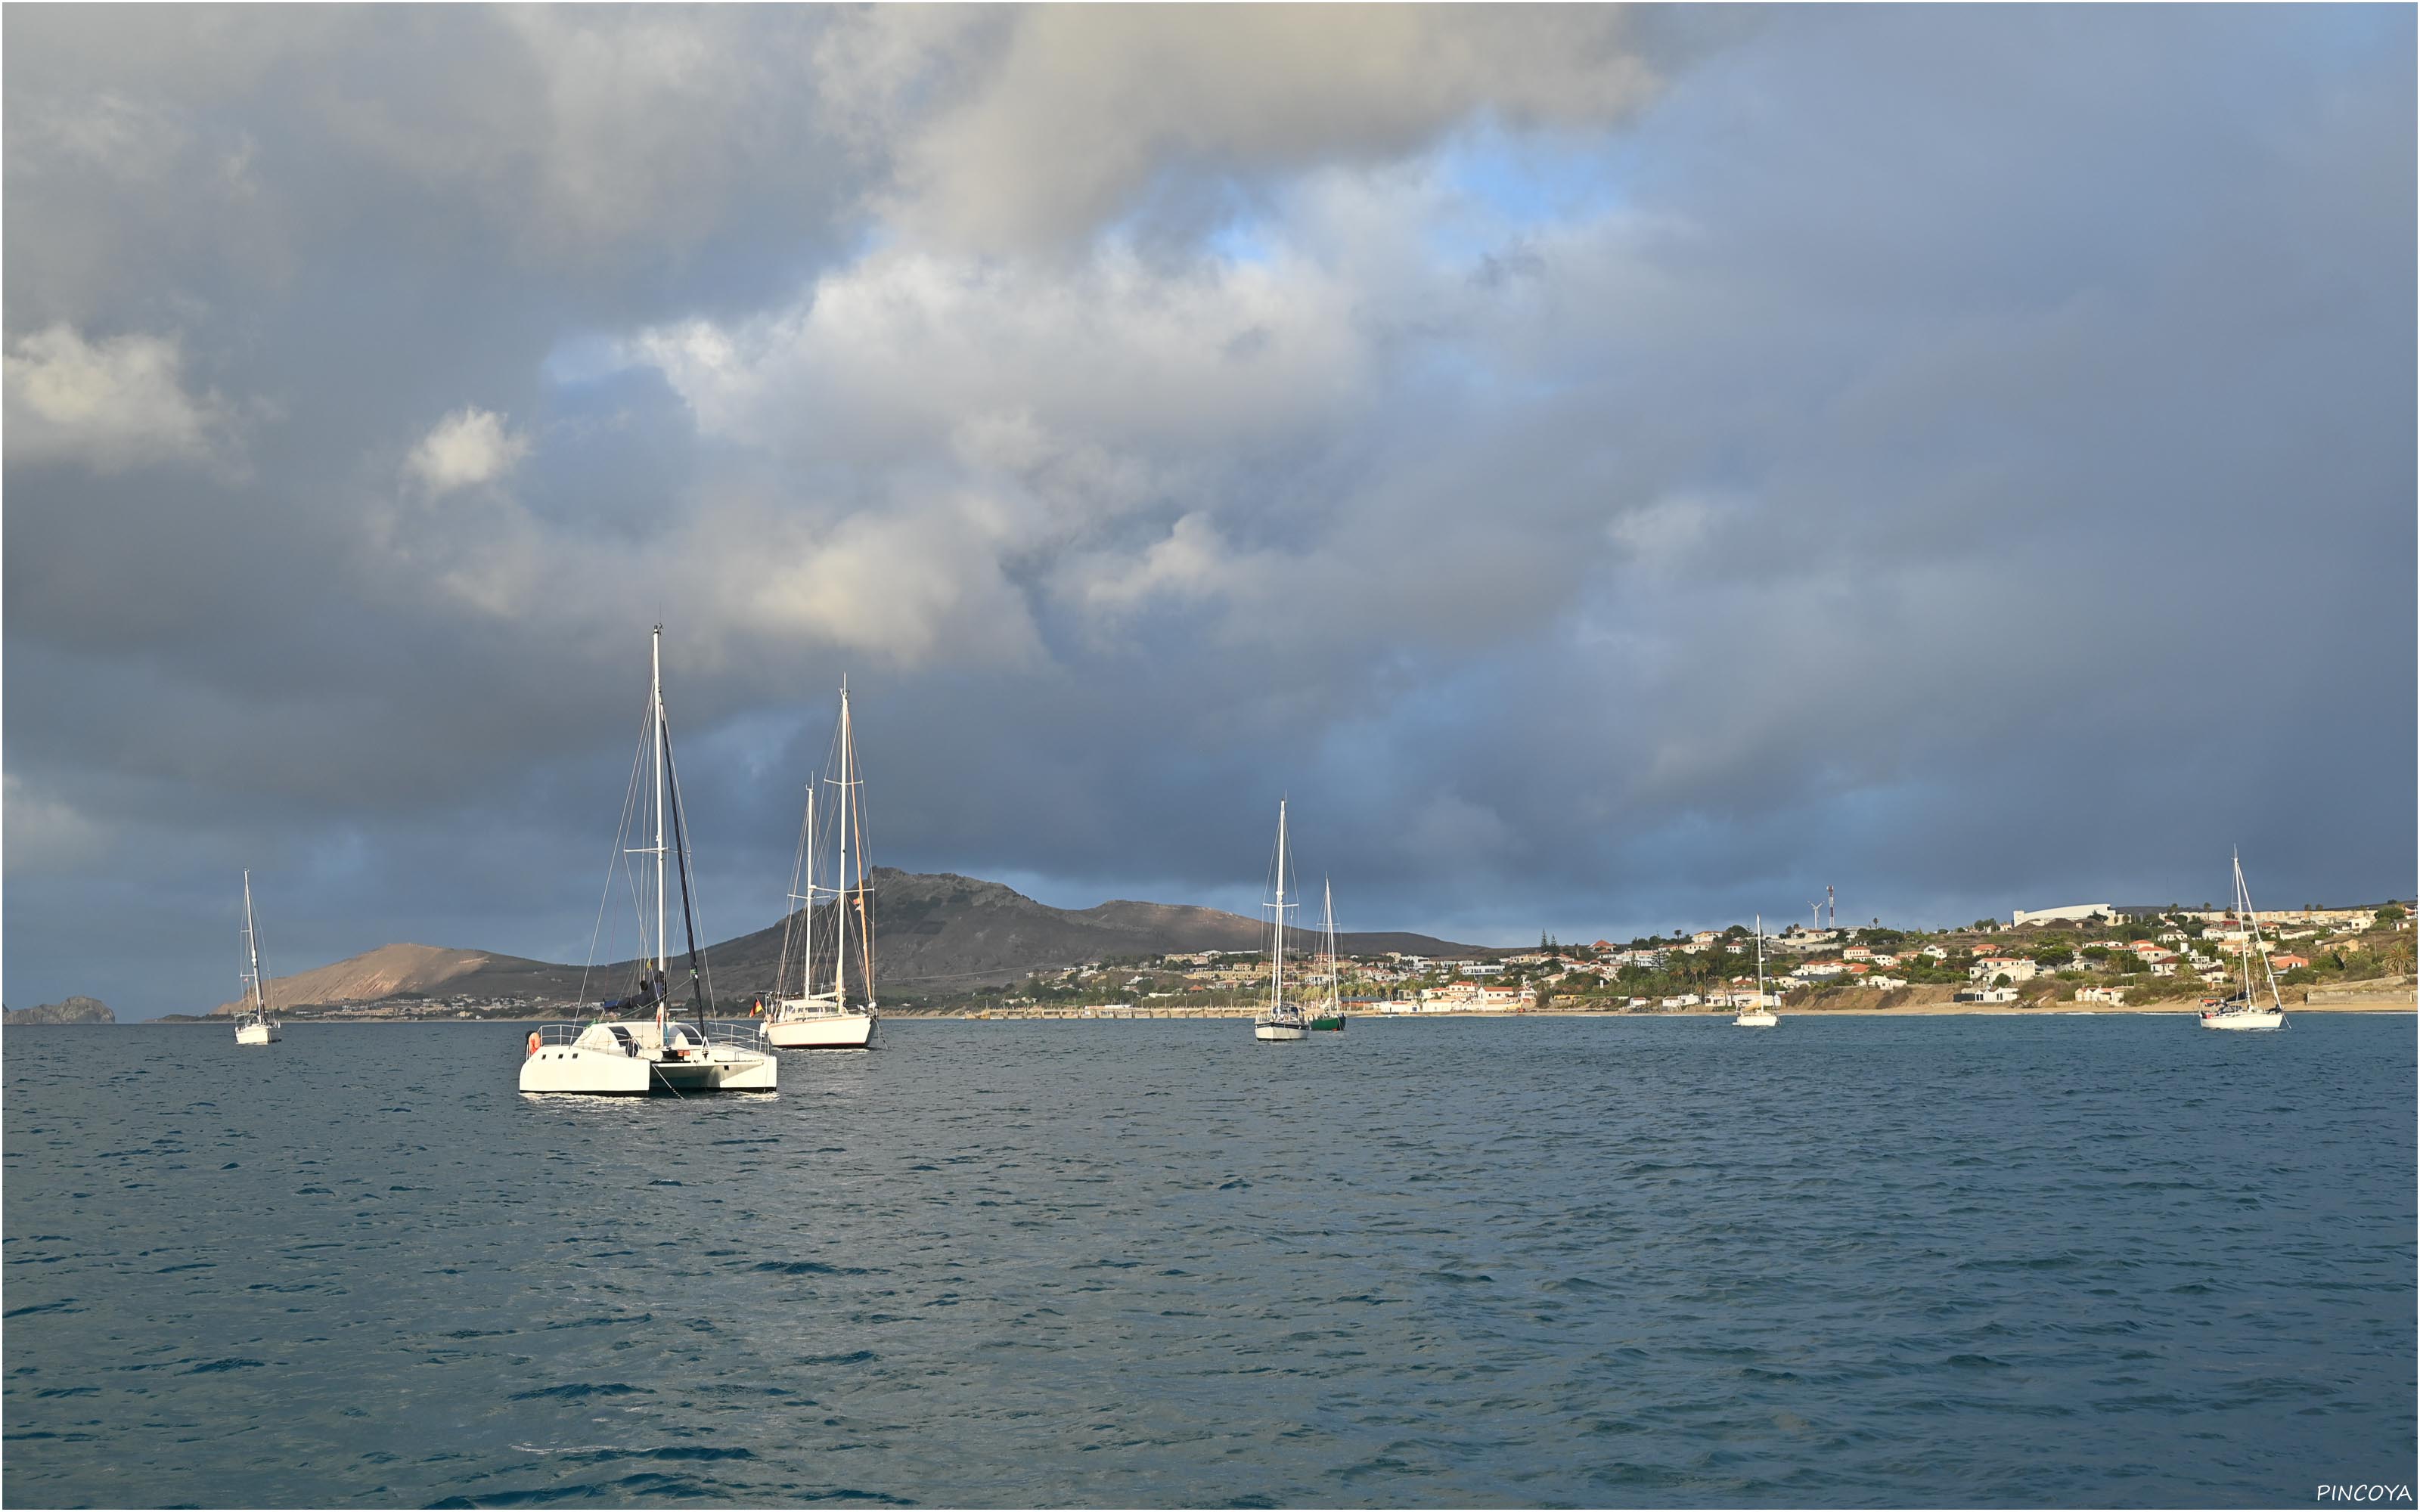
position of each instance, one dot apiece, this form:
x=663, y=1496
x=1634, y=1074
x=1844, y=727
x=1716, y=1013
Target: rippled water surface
x=1938, y=1261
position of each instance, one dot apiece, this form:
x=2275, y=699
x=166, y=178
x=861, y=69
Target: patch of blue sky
x=586, y=357
x=1244, y=240
x=1506, y=184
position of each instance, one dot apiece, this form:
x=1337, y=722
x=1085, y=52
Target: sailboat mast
x=840, y=944
x=1328, y=911
x=1277, y=958
x=252, y=948
x=1760, y=960
x=656, y=745
x=807, y=964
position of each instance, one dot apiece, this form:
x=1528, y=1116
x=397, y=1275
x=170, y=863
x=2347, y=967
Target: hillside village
x=2102, y=955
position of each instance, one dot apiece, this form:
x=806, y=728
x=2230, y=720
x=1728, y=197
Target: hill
x=74, y=1010
x=935, y=933
x=941, y=932
x=389, y=971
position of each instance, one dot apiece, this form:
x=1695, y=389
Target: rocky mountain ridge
x=76, y=1010
x=934, y=933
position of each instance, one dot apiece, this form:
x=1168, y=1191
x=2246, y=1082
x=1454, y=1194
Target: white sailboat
x=254, y=1025
x=1281, y=1021
x=1760, y=1016
x=827, y=1020
x=2245, y=1010
x=627, y=1050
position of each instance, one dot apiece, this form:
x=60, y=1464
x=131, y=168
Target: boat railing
x=738, y=1032
x=559, y=1034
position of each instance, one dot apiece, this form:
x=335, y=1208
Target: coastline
x=1907, y=1011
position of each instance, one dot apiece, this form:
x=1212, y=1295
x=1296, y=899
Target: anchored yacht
x=1282, y=1020
x=1761, y=1016
x=254, y=1025
x=1329, y=1015
x=633, y=1045
x=825, y=1019
x=2244, y=1010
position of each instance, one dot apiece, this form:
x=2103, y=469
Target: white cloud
x=898, y=352
x=1088, y=103
x=110, y=405
x=467, y=448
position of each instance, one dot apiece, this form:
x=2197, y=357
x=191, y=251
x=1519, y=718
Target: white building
x=2015, y=968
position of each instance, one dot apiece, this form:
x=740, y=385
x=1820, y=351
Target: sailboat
x=1331, y=1015
x=254, y=1026
x=2245, y=1010
x=633, y=1045
x=1760, y=1016
x=1282, y=1020
x=826, y=1020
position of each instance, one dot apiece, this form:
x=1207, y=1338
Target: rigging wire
x=620, y=860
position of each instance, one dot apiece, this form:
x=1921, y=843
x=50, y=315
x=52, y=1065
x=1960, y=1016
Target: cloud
x=1084, y=110
x=468, y=447
x=110, y=405
x=1602, y=463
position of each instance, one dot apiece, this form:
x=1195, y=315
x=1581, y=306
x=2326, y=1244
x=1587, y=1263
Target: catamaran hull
x=824, y=1031
x=594, y=1073
x=745, y=1072
x=1279, y=1031
x=256, y=1034
x=589, y=1071
x=2255, y=1020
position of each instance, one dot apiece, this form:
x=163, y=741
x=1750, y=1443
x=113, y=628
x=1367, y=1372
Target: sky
x=1611, y=470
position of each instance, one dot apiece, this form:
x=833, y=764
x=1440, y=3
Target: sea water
x=1994, y=1261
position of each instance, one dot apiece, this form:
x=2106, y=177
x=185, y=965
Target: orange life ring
x=532, y=1041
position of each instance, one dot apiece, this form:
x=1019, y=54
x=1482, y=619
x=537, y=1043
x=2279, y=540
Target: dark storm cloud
x=1613, y=471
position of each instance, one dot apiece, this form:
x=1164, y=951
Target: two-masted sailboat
x=1282, y=1019
x=253, y=1025
x=1760, y=1016
x=820, y=1015
x=1330, y=1014
x=633, y=1045
x=2244, y=1010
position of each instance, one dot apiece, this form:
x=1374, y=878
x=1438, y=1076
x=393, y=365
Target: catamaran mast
x=656, y=744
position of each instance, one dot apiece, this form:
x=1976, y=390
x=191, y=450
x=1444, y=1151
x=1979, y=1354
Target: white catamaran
x=2245, y=1010
x=633, y=1046
x=827, y=1020
x=1761, y=1016
x=254, y=1027
x=1282, y=1020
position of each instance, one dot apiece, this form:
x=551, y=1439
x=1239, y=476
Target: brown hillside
x=381, y=973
